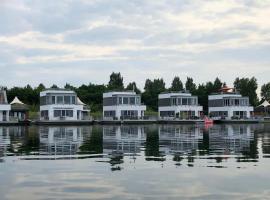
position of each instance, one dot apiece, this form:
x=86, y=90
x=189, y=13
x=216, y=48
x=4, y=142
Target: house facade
x=61, y=104
x=4, y=106
x=180, y=105
x=229, y=105
x=122, y=105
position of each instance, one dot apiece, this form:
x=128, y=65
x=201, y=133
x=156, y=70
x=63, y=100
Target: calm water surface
x=135, y=162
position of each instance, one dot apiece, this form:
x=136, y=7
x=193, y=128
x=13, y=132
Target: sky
x=82, y=41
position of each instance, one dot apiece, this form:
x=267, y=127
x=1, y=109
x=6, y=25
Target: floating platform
x=238, y=121
x=119, y=122
x=63, y=122
x=15, y=123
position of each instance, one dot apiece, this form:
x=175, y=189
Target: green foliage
x=116, y=82
x=177, y=84
x=133, y=86
x=190, y=85
x=151, y=91
x=265, y=91
x=247, y=87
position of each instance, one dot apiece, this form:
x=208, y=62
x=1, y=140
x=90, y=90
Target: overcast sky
x=84, y=41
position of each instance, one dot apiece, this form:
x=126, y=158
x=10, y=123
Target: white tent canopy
x=265, y=104
x=16, y=101
x=80, y=102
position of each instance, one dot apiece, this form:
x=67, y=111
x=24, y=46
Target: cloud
x=84, y=41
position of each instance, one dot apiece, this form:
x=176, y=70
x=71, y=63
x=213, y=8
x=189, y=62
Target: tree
x=247, y=87
x=151, y=91
x=69, y=87
x=265, y=91
x=190, y=85
x=116, y=82
x=177, y=84
x=133, y=86
x=54, y=86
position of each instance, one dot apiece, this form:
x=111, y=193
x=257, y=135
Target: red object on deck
x=208, y=120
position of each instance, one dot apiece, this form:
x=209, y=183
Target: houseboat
x=19, y=110
x=62, y=105
x=4, y=106
x=178, y=105
x=122, y=105
x=229, y=105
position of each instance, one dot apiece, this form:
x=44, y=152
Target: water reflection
x=62, y=140
x=152, y=142
x=235, y=140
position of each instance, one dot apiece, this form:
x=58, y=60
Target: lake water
x=135, y=162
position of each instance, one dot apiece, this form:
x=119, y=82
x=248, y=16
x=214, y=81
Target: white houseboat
x=4, y=106
x=61, y=104
x=181, y=105
x=229, y=104
x=122, y=105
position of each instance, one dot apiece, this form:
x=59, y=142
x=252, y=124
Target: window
x=184, y=101
x=73, y=100
x=67, y=99
x=173, y=101
x=120, y=100
x=53, y=99
x=56, y=113
x=132, y=100
x=125, y=100
x=110, y=113
x=138, y=101
x=60, y=100
x=69, y=113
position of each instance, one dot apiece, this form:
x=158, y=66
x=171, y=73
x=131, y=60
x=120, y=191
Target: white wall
x=177, y=109
x=119, y=108
x=231, y=109
x=51, y=109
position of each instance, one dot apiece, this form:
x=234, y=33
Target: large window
x=109, y=113
x=138, y=101
x=73, y=100
x=184, y=101
x=125, y=100
x=53, y=99
x=57, y=113
x=120, y=100
x=67, y=99
x=60, y=100
x=132, y=100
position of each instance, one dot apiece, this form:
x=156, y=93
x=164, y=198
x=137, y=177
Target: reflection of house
x=178, y=104
x=19, y=110
x=61, y=140
x=61, y=104
x=229, y=105
x=124, y=139
x=179, y=138
x=4, y=106
x=4, y=140
x=227, y=139
x=126, y=105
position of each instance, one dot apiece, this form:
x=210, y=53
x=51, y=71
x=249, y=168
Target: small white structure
x=4, y=106
x=180, y=105
x=19, y=110
x=228, y=105
x=61, y=104
x=122, y=105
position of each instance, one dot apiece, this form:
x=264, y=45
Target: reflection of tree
x=152, y=146
x=29, y=140
x=94, y=143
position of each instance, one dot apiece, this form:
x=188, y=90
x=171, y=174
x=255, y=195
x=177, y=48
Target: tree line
x=91, y=94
